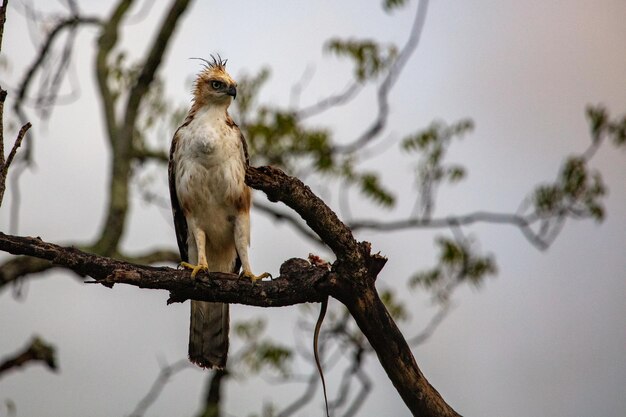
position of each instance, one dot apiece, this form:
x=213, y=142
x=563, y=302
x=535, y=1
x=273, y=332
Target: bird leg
x=202, y=265
x=242, y=240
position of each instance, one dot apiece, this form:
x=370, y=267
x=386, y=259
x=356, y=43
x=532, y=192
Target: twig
x=16, y=145
x=332, y=101
x=523, y=222
x=385, y=87
x=5, y=165
x=36, y=351
x=294, y=222
x=3, y=19
x=432, y=325
x=304, y=399
x=165, y=374
x=359, y=400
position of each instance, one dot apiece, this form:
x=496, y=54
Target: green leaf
x=371, y=187
x=618, y=132
x=389, y=5
x=250, y=329
x=598, y=117
x=425, y=279
x=574, y=177
x=396, y=308
x=269, y=355
x=455, y=173
x=370, y=57
x=547, y=198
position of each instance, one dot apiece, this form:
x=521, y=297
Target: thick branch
x=356, y=270
x=23, y=266
x=299, y=281
x=396, y=358
x=321, y=219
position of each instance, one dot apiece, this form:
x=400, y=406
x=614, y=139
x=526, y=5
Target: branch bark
x=297, y=283
x=351, y=280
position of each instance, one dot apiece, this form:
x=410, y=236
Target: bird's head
x=213, y=85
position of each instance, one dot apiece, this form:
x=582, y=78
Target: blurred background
x=538, y=330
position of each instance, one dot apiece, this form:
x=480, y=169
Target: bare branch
x=3, y=19
x=14, y=269
x=16, y=145
x=329, y=102
x=5, y=165
x=359, y=400
x=213, y=396
x=280, y=216
x=304, y=399
x=145, y=154
x=298, y=282
x=432, y=325
x=36, y=351
x=385, y=87
x=523, y=222
x=159, y=383
x=71, y=23
x=150, y=258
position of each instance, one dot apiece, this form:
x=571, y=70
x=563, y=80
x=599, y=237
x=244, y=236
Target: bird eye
x=216, y=85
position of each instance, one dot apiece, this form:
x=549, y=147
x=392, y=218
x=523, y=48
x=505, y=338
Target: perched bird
x=211, y=203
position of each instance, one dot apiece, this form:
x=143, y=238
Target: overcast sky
x=546, y=337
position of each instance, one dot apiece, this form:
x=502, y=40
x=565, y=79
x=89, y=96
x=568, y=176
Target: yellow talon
x=254, y=278
x=195, y=268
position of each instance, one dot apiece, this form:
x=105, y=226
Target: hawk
x=211, y=203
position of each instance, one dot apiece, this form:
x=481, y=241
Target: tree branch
x=3, y=19
x=523, y=222
x=121, y=134
x=22, y=266
x=278, y=186
x=70, y=22
x=293, y=221
x=36, y=351
x=351, y=280
x=159, y=383
x=298, y=281
x=385, y=87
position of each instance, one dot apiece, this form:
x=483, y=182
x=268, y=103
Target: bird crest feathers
x=214, y=69
x=215, y=63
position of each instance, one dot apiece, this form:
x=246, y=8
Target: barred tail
x=208, y=334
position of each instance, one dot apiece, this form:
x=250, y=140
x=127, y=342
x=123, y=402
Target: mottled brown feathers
x=180, y=223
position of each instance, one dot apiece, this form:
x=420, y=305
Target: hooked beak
x=232, y=91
